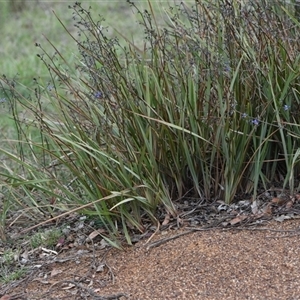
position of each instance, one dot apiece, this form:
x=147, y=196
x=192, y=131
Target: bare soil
x=242, y=263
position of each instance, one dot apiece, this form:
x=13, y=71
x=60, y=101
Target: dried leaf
x=267, y=210
x=55, y=272
x=254, y=207
x=282, y=218
x=103, y=244
x=166, y=220
x=25, y=254
x=289, y=204
x=95, y=233
x=237, y=220
x=70, y=286
x=278, y=201
x=5, y=297
x=100, y=268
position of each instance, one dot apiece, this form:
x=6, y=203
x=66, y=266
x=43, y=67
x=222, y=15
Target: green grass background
x=36, y=22
x=20, y=31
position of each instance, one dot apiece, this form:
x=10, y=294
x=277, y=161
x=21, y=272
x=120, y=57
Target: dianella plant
x=207, y=107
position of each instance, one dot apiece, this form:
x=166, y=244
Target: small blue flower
x=255, y=122
x=244, y=115
x=50, y=87
x=2, y=100
x=286, y=107
x=227, y=68
x=98, y=95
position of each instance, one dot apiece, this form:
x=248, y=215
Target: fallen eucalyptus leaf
x=282, y=218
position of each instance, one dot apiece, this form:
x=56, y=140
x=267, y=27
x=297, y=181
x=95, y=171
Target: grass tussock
x=208, y=107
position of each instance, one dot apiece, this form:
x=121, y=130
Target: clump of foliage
x=9, y=272
x=208, y=108
x=47, y=238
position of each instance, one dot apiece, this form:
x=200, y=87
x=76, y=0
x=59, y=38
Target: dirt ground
x=243, y=263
